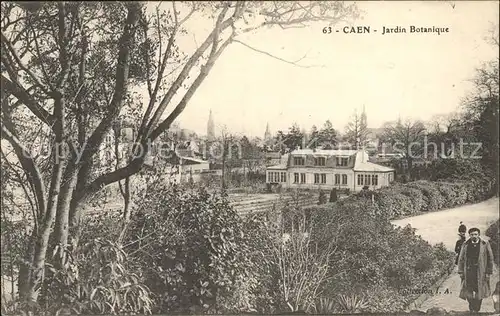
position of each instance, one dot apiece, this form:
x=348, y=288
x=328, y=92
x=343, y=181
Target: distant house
x=275, y=158
x=179, y=167
x=343, y=169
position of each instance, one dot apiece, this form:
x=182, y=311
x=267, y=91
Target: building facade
x=342, y=169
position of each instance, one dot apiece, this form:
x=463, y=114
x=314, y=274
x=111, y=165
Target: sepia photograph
x=250, y=158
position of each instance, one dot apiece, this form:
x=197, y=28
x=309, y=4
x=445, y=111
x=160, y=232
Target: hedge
x=494, y=233
x=420, y=196
x=374, y=255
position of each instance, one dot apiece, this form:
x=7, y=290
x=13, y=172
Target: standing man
x=462, y=229
x=475, y=266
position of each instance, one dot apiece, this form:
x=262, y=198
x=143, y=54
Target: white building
x=342, y=169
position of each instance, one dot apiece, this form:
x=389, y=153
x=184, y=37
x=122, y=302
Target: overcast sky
x=411, y=75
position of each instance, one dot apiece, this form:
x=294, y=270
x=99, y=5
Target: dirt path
x=442, y=227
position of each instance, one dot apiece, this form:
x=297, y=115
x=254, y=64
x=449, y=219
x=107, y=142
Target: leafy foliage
x=96, y=280
x=352, y=303
x=494, y=233
x=187, y=242
x=373, y=255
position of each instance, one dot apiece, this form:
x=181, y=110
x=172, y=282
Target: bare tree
x=356, y=131
x=406, y=137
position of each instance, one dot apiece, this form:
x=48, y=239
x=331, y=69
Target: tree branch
x=214, y=55
x=28, y=164
x=8, y=46
x=187, y=68
x=121, y=85
x=21, y=94
x=161, y=70
x=278, y=58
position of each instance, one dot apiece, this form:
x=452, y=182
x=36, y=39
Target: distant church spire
x=364, y=121
x=210, y=127
x=267, y=134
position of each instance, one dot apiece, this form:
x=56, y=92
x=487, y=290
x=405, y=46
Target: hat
x=462, y=228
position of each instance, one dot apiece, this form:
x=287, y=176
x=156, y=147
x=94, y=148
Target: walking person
x=462, y=229
x=475, y=267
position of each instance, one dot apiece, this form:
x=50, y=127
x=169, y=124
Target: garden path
x=442, y=227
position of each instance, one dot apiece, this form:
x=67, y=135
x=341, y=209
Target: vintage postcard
x=249, y=157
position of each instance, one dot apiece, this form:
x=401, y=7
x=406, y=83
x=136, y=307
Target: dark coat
x=458, y=247
x=485, y=266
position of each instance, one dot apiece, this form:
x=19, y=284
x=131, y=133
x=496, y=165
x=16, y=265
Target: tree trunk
x=126, y=210
x=60, y=156
x=24, y=269
x=61, y=229
x=42, y=242
x=223, y=172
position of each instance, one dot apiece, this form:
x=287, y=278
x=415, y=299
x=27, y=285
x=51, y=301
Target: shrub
x=322, y=197
x=373, y=255
x=188, y=244
x=434, y=199
x=394, y=203
x=333, y=195
x=96, y=279
x=418, y=200
x=494, y=233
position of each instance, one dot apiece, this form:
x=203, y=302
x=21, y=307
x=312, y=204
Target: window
x=276, y=177
x=375, y=179
x=344, y=179
x=360, y=179
x=302, y=178
x=298, y=161
x=342, y=162
x=283, y=177
x=367, y=179
x=319, y=161
x=295, y=178
x=323, y=178
x=316, y=178
x=337, y=179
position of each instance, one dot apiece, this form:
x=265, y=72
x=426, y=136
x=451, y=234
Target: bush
x=188, y=244
x=418, y=200
x=333, y=195
x=96, y=279
x=373, y=255
x=494, y=233
x=432, y=195
x=322, y=197
x=393, y=202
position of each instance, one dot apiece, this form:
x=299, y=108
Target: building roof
x=192, y=159
x=273, y=154
x=370, y=167
x=324, y=152
x=277, y=167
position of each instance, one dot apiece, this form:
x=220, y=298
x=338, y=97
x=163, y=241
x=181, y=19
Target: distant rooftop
x=327, y=152
x=192, y=159
x=370, y=167
x=277, y=167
